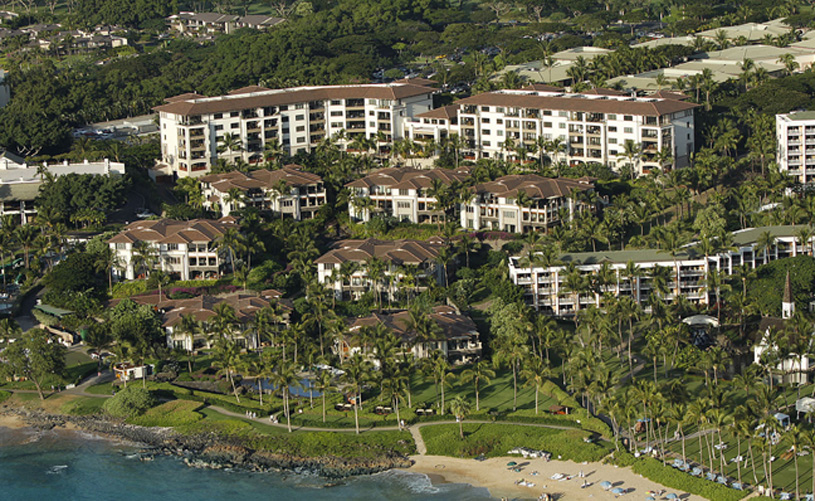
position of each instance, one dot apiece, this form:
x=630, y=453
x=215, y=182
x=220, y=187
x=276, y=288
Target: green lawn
x=83, y=406
x=497, y=439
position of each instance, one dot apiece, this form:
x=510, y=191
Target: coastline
x=494, y=475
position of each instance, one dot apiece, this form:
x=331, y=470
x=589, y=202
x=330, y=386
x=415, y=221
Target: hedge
x=173, y=413
x=675, y=479
x=496, y=440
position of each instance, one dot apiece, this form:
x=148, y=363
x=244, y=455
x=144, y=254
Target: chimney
x=787, y=303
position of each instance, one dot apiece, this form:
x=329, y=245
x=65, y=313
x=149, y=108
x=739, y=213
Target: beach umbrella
x=605, y=484
x=512, y=463
x=616, y=490
x=671, y=496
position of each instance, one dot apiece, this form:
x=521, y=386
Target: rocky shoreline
x=209, y=450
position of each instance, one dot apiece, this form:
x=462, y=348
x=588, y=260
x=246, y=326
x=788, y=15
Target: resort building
x=20, y=182
x=410, y=264
x=403, y=193
x=210, y=23
x=795, y=151
x=499, y=205
x=196, y=130
x=205, y=308
x=591, y=127
x=186, y=250
x=289, y=191
x=584, y=278
x=794, y=368
x=457, y=338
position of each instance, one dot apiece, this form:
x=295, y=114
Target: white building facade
x=194, y=128
x=795, y=148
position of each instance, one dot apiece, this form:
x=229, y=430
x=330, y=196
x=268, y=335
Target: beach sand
x=11, y=421
x=500, y=479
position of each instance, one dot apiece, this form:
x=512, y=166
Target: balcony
x=196, y=133
x=354, y=103
x=355, y=114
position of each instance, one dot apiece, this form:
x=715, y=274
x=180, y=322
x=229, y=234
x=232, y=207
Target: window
x=218, y=115
x=486, y=132
x=499, y=121
x=547, y=124
x=301, y=128
x=336, y=125
x=336, y=102
x=301, y=140
x=403, y=205
x=628, y=130
x=612, y=140
x=562, y=114
x=547, y=113
x=485, y=108
x=234, y=114
x=193, y=261
x=121, y=246
x=219, y=127
x=612, y=116
x=174, y=260
x=403, y=192
x=284, y=107
x=372, y=124
x=288, y=203
x=485, y=120
x=499, y=109
x=612, y=129
x=284, y=119
x=499, y=132
x=562, y=125
x=628, y=118
x=486, y=144
x=234, y=126
x=300, y=117
x=299, y=107
x=285, y=130
x=372, y=101
x=509, y=214
x=336, y=113
x=372, y=113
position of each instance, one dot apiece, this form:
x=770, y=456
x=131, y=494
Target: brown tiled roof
x=184, y=97
x=534, y=185
x=669, y=94
x=453, y=325
x=573, y=102
x=258, y=179
x=445, y=112
x=172, y=231
x=407, y=178
x=202, y=308
x=248, y=89
x=395, y=251
x=294, y=95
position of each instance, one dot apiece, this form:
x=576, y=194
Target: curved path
x=421, y=448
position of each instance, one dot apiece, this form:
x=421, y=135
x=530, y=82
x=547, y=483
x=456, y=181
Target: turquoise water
x=74, y=466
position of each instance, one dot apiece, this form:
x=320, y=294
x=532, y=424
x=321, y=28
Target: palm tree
x=633, y=153
x=230, y=143
x=789, y=62
x=442, y=373
x=796, y=438
x=323, y=384
x=283, y=378
x=231, y=241
x=227, y=358
x=144, y=258
x=189, y=327
x=535, y=373
x=460, y=408
x=395, y=387
x=512, y=352
x=480, y=373
x=357, y=373
x=161, y=279
x=25, y=235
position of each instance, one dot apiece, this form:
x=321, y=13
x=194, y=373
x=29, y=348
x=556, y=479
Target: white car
x=144, y=214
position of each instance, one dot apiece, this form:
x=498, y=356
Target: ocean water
x=63, y=465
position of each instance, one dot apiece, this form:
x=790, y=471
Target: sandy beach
x=11, y=421
x=501, y=480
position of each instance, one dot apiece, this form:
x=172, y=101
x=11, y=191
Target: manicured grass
x=4, y=395
x=497, y=439
x=83, y=406
x=172, y=413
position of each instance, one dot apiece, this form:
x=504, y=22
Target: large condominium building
x=196, y=130
x=795, y=152
x=579, y=283
x=186, y=250
x=346, y=268
x=289, y=191
x=495, y=205
x=20, y=182
x=457, y=337
x=403, y=193
x=592, y=127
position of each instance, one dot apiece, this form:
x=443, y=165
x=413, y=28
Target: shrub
x=4, y=395
x=132, y=401
x=173, y=413
x=83, y=406
x=675, y=479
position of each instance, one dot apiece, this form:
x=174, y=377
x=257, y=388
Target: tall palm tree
x=283, y=378
x=323, y=383
x=480, y=374
x=357, y=373
x=227, y=359
x=145, y=256
x=535, y=374
x=512, y=352
x=231, y=241
x=460, y=408
x=25, y=235
x=190, y=327
x=443, y=374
